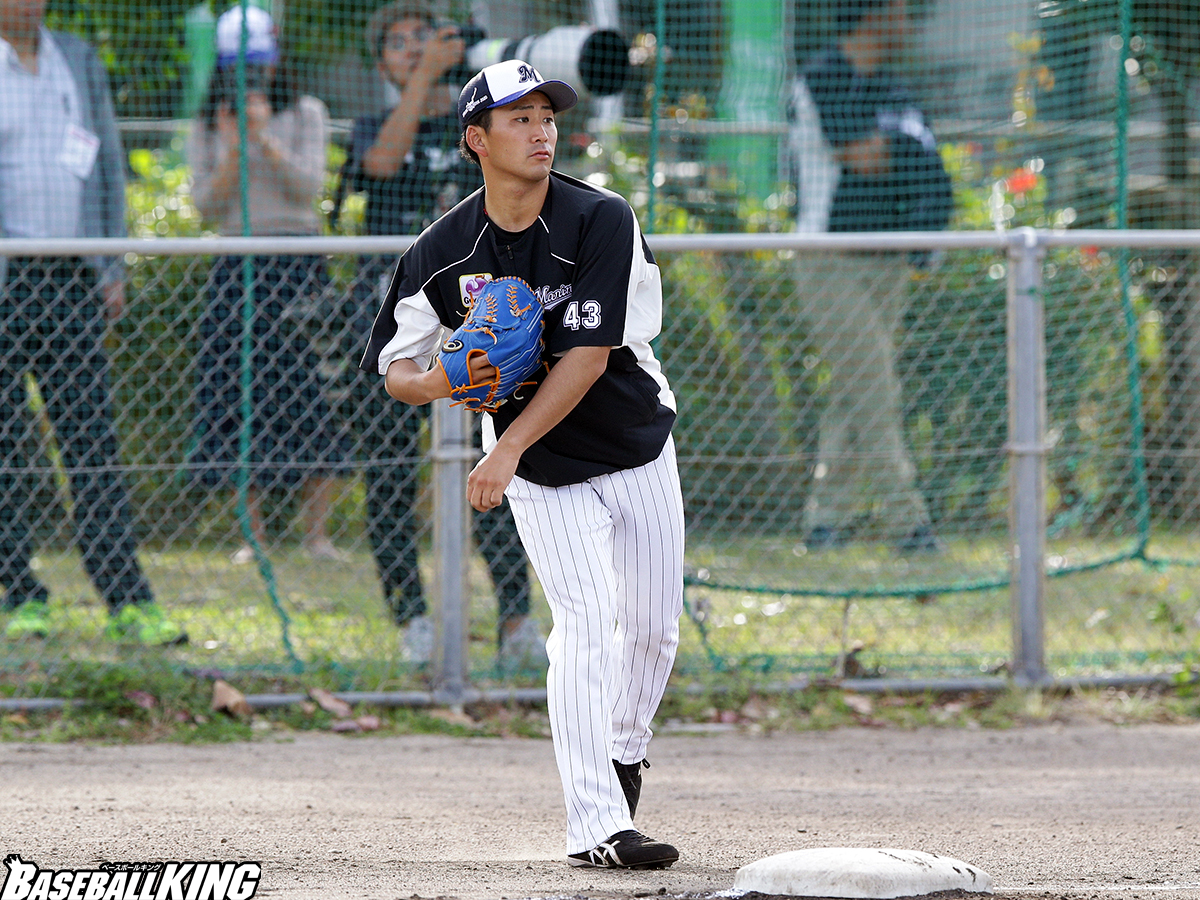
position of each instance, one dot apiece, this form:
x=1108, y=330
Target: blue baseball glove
x=504, y=323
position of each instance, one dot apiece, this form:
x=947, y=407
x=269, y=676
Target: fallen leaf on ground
x=756, y=710
x=454, y=717
x=331, y=704
x=228, y=699
x=860, y=704
x=142, y=699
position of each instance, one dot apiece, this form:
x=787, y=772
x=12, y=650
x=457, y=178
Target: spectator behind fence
x=62, y=176
x=292, y=436
x=406, y=160
x=865, y=161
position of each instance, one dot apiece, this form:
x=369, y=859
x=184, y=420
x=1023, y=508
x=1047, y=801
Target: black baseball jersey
x=586, y=259
x=915, y=194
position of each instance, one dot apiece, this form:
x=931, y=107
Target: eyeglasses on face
x=399, y=41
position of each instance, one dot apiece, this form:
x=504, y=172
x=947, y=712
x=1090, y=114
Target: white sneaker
x=416, y=641
x=319, y=550
x=523, y=648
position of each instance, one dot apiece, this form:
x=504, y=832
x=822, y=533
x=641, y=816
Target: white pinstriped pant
x=609, y=555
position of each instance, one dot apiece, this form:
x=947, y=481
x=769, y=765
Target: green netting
x=1054, y=114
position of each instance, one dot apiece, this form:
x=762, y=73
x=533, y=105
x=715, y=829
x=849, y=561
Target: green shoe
x=146, y=624
x=29, y=620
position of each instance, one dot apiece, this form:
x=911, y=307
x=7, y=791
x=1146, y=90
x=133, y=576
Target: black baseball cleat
x=627, y=850
x=630, y=776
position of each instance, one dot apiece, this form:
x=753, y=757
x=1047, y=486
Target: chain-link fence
x=1113, y=595
x=1028, y=403
x=846, y=437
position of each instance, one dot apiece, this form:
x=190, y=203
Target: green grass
x=129, y=702
x=772, y=606
x=127, y=705
x=756, y=608
x=330, y=628
x=823, y=707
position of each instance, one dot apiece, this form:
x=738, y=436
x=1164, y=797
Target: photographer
x=406, y=160
x=413, y=53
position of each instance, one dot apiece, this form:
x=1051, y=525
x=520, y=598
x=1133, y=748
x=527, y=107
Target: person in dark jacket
x=864, y=161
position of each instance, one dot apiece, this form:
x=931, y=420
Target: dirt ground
x=1056, y=811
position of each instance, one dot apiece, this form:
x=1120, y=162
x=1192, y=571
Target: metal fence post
x=1027, y=453
x=451, y=453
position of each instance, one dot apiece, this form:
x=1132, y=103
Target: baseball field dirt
x=1089, y=811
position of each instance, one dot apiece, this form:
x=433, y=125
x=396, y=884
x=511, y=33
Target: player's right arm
x=407, y=328
x=570, y=378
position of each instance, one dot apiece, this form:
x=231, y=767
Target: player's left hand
x=489, y=478
x=481, y=369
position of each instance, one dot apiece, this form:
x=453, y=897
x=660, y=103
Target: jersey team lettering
x=132, y=881
x=552, y=298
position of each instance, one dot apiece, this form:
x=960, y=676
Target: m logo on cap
x=526, y=73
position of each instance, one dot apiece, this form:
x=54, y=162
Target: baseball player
x=585, y=456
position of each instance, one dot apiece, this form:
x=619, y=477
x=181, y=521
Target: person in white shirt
x=62, y=176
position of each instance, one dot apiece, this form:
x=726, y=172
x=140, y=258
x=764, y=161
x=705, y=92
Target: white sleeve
x=817, y=171
x=643, y=296
x=643, y=317
x=418, y=333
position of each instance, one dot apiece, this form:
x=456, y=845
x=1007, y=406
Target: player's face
x=522, y=138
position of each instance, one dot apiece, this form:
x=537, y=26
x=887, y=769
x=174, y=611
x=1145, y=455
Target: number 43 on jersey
x=581, y=315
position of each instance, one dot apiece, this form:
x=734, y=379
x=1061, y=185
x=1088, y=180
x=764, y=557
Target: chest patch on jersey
x=469, y=287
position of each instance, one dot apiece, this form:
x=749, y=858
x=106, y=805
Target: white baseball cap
x=261, y=47
x=503, y=82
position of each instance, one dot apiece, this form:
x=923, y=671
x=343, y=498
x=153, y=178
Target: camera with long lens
x=594, y=59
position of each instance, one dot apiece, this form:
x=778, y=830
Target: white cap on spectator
x=261, y=46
